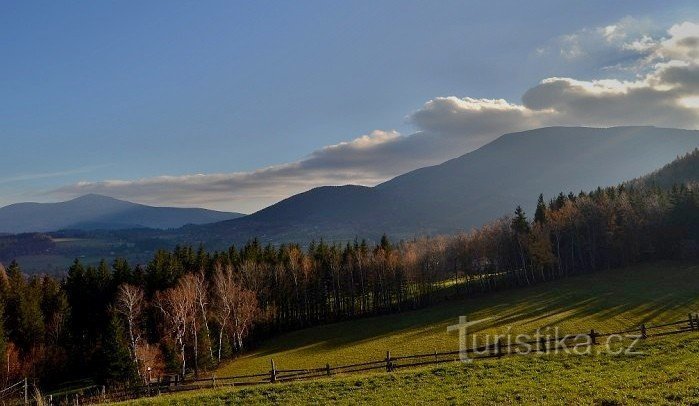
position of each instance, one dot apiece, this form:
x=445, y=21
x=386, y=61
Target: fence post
x=389, y=367
x=498, y=348
x=213, y=381
x=436, y=357
x=273, y=372
x=691, y=321
x=593, y=337
x=644, y=332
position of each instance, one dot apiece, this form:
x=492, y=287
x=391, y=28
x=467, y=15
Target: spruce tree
x=122, y=272
x=31, y=321
x=385, y=243
x=3, y=339
x=113, y=361
x=540, y=214
x=520, y=225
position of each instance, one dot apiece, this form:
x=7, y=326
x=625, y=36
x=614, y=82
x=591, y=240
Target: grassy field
x=666, y=373
x=607, y=301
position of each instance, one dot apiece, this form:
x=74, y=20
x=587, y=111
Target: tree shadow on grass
x=621, y=298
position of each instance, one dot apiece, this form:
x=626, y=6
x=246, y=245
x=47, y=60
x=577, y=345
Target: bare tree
x=236, y=307
x=202, y=295
x=177, y=305
x=245, y=308
x=129, y=303
x=224, y=290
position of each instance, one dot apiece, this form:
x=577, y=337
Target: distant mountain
x=684, y=170
x=92, y=212
x=464, y=192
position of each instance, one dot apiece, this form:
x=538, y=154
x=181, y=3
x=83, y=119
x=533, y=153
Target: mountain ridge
x=466, y=191
x=93, y=211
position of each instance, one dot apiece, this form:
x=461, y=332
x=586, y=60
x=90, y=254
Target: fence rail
x=543, y=344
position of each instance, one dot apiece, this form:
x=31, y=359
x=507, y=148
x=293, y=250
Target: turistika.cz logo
x=546, y=340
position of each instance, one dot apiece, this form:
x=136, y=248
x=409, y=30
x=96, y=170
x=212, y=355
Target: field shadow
x=628, y=297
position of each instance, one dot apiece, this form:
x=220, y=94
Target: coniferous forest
x=187, y=309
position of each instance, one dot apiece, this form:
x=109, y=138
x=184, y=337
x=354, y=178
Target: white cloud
x=682, y=43
x=664, y=95
x=455, y=117
x=622, y=46
x=663, y=92
x=643, y=45
x=347, y=162
x=612, y=32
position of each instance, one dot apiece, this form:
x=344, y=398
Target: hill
x=464, y=192
x=608, y=301
x=683, y=170
x=91, y=212
x=664, y=374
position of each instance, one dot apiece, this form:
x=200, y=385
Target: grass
x=607, y=301
x=665, y=374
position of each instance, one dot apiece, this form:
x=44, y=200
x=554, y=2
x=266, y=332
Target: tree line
x=187, y=309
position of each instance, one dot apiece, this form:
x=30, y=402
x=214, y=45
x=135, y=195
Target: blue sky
x=169, y=101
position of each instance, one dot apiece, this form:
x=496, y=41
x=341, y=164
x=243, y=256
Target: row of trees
x=188, y=309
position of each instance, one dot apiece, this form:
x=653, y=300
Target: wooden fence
x=542, y=345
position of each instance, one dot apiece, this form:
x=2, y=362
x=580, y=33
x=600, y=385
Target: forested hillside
x=684, y=170
x=189, y=308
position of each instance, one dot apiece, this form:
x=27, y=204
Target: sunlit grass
x=607, y=301
x=666, y=373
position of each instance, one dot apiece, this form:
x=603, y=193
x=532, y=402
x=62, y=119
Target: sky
x=236, y=105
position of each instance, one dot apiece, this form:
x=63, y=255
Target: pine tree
x=31, y=320
x=560, y=201
x=521, y=228
x=113, y=360
x=3, y=340
x=385, y=243
x=520, y=224
x=540, y=214
x=16, y=288
x=122, y=272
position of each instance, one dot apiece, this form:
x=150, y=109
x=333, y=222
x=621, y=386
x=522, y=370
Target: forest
x=187, y=310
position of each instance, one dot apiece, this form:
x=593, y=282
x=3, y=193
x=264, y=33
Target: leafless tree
x=129, y=303
x=202, y=295
x=177, y=305
x=236, y=307
x=224, y=291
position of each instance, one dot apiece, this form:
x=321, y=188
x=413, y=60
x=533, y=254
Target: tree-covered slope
x=467, y=191
x=683, y=170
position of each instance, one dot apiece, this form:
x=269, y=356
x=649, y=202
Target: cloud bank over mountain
x=657, y=83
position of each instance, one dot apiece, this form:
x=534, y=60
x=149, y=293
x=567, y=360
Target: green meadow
x=606, y=301
x=666, y=373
